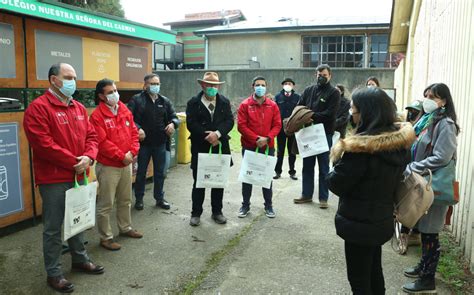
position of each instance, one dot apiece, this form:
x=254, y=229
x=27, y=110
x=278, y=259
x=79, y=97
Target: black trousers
x=198, y=195
x=282, y=141
x=364, y=269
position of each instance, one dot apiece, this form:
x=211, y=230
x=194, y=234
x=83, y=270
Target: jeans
x=364, y=269
x=158, y=154
x=247, y=188
x=308, y=174
x=198, y=195
x=282, y=141
x=54, y=199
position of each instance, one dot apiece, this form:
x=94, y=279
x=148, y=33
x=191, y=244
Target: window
x=378, y=51
x=336, y=51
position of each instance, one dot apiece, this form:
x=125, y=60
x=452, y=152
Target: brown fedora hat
x=210, y=78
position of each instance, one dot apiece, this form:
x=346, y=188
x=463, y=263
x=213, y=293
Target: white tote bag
x=312, y=140
x=79, y=213
x=213, y=169
x=257, y=169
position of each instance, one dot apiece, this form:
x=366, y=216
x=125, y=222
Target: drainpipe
x=206, y=52
x=153, y=55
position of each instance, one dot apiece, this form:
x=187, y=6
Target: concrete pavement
x=298, y=252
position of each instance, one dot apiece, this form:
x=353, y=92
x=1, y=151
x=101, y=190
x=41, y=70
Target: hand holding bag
x=413, y=198
x=257, y=169
x=213, y=169
x=79, y=211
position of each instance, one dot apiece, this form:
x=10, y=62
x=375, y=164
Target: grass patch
x=215, y=259
x=453, y=267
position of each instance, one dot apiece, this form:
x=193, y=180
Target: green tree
x=112, y=7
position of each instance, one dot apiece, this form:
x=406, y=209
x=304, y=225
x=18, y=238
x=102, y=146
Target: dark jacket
x=366, y=173
x=342, y=116
x=323, y=101
x=199, y=121
x=286, y=104
x=149, y=119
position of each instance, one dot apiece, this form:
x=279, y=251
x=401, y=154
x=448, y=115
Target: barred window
x=336, y=51
x=378, y=51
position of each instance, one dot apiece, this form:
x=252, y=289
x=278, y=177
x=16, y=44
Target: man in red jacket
x=64, y=144
x=259, y=122
x=118, y=145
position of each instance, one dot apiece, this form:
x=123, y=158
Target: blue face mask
x=69, y=87
x=155, y=89
x=260, y=91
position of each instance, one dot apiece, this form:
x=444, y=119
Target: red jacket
x=58, y=134
x=254, y=120
x=117, y=134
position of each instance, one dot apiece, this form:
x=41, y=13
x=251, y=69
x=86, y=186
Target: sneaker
x=278, y=175
x=412, y=272
x=414, y=239
x=403, y=244
x=139, y=205
x=323, y=204
x=110, y=244
x=269, y=212
x=244, y=211
x=163, y=204
x=421, y=286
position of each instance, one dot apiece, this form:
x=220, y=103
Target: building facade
x=289, y=43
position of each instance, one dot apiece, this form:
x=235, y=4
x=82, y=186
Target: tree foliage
x=112, y=7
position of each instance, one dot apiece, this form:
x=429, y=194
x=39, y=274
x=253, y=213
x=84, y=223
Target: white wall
x=442, y=50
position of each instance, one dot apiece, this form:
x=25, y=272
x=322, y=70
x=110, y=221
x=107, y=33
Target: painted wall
x=180, y=86
x=441, y=49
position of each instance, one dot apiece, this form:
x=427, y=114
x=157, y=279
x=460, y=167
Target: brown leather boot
x=60, y=284
x=110, y=244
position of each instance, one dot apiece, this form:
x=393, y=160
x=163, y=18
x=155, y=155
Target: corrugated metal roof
x=297, y=24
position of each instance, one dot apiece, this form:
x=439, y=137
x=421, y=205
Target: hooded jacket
x=367, y=171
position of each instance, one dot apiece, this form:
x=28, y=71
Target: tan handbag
x=413, y=198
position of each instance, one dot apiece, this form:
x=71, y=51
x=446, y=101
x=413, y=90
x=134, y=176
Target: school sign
x=61, y=13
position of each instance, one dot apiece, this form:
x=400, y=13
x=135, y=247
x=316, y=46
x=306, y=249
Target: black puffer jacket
x=366, y=173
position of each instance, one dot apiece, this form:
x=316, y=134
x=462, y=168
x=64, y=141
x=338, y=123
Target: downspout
x=153, y=55
x=206, y=52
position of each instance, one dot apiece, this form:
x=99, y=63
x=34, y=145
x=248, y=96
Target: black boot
x=424, y=285
x=413, y=272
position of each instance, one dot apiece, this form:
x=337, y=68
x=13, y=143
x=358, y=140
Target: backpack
x=413, y=198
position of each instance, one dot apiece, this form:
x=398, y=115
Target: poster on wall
x=52, y=48
x=7, y=51
x=100, y=59
x=133, y=63
x=11, y=195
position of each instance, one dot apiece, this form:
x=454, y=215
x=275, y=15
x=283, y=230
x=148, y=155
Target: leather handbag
x=445, y=186
x=413, y=197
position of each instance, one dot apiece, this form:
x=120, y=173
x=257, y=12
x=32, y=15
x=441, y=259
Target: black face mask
x=322, y=80
x=411, y=116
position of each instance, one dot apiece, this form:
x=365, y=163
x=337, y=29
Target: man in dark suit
x=209, y=120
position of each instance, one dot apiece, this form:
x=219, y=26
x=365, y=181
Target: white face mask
x=429, y=105
x=113, y=98
x=287, y=88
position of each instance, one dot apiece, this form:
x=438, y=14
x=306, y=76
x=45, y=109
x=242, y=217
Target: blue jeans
x=308, y=174
x=158, y=154
x=247, y=188
x=54, y=197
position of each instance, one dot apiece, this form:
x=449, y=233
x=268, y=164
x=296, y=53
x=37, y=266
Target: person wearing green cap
x=414, y=111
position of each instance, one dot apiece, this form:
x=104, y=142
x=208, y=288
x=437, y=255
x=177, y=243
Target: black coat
x=366, y=173
x=342, y=116
x=324, y=102
x=198, y=120
x=286, y=104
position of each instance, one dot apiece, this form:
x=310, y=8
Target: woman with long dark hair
x=368, y=167
x=434, y=148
